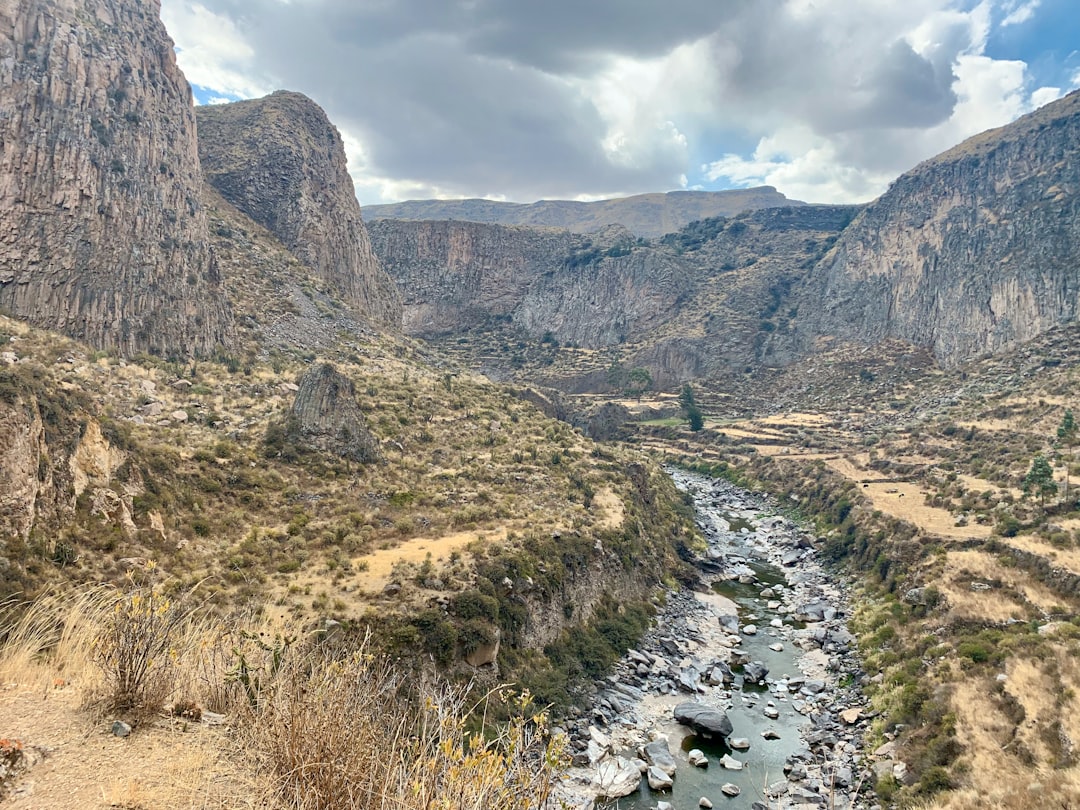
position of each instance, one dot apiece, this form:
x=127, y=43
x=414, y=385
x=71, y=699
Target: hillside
x=648, y=215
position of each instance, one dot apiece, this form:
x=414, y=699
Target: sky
x=520, y=100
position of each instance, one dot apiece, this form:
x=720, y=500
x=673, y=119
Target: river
x=803, y=751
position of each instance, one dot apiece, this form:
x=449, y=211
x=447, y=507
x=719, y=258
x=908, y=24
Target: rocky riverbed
x=743, y=693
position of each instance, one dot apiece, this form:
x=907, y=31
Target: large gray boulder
x=703, y=719
x=325, y=416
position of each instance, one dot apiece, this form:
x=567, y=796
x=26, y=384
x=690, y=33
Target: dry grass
x=1017, y=592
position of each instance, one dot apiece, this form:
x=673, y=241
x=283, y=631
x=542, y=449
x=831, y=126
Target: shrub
x=137, y=651
x=356, y=732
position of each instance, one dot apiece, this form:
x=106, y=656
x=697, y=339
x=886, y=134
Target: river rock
x=703, y=719
x=616, y=778
x=658, y=754
x=739, y=744
x=730, y=789
x=750, y=630
x=659, y=779
x=697, y=758
x=705, y=803
x=771, y=712
x=729, y=763
x=755, y=672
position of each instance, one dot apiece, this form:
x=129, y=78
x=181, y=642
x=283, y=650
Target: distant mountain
x=648, y=215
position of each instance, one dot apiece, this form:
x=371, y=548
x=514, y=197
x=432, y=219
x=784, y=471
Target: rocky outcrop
x=648, y=215
x=102, y=234
x=280, y=161
x=327, y=416
x=969, y=253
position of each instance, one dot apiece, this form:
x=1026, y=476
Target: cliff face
x=102, y=234
x=649, y=215
x=281, y=162
x=590, y=291
x=969, y=253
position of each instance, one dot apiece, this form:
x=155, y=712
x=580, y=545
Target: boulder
x=616, y=778
x=703, y=719
x=755, y=672
x=659, y=779
x=658, y=754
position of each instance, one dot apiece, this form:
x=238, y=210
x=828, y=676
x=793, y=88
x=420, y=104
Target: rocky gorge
x=745, y=691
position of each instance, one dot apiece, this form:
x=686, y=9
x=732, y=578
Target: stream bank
x=762, y=649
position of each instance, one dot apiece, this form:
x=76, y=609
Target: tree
x=1066, y=435
x=1040, y=479
x=694, y=416
x=616, y=376
x=690, y=408
x=686, y=398
x=638, y=381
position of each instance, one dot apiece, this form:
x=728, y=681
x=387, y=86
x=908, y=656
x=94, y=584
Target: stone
x=750, y=630
x=771, y=712
x=616, y=777
x=120, y=729
x=778, y=647
x=658, y=778
x=770, y=734
x=658, y=754
x=755, y=672
x=851, y=716
x=665, y=806
x=697, y=758
x=739, y=743
x=703, y=719
x=327, y=416
x=729, y=789
x=705, y=803
x=179, y=416
x=729, y=763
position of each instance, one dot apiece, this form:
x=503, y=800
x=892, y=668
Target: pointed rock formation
x=328, y=418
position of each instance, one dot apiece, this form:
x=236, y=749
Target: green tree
x=1040, y=479
x=638, y=381
x=696, y=419
x=686, y=398
x=1066, y=436
x=689, y=405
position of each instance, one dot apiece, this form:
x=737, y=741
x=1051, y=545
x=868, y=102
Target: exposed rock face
x=280, y=161
x=461, y=275
x=328, y=416
x=970, y=252
x=648, y=215
x=706, y=301
x=102, y=235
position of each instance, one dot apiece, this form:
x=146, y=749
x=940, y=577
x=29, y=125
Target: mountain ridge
x=649, y=215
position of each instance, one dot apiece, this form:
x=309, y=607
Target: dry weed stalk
x=359, y=733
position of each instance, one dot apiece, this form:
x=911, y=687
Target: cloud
x=826, y=99
x=1017, y=13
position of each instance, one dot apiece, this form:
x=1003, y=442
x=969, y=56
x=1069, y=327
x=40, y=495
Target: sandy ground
x=170, y=765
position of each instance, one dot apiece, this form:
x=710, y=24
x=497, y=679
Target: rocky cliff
x=649, y=215
x=704, y=301
x=590, y=291
x=102, y=234
x=969, y=253
x=281, y=162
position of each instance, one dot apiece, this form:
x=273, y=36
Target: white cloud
x=1017, y=13
x=211, y=50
